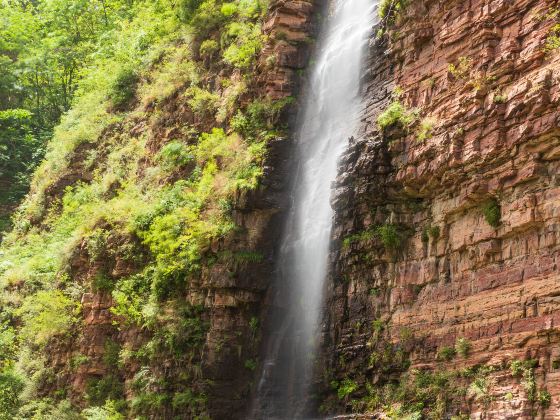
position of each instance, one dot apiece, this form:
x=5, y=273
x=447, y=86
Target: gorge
x=292, y=209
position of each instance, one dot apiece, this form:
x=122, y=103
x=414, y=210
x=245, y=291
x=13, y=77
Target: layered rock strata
x=447, y=228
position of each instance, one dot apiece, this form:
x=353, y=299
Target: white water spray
x=329, y=117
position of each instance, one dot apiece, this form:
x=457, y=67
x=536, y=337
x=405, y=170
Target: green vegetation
x=418, y=394
x=396, y=114
x=46, y=314
x=47, y=48
x=499, y=98
x=251, y=364
x=11, y=385
x=390, y=9
x=553, y=36
x=21, y=146
x=149, y=147
x=463, y=347
x=344, y=388
x=430, y=231
x=526, y=371
x=462, y=70
x=391, y=236
x=425, y=129
x=446, y=353
x=492, y=212
x=544, y=398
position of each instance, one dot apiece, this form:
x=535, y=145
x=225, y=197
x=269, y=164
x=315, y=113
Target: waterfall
x=328, y=118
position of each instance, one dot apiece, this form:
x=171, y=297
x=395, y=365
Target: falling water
x=329, y=117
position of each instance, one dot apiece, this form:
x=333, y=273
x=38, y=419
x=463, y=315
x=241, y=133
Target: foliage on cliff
x=163, y=136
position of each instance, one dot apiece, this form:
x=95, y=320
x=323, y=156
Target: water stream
x=328, y=118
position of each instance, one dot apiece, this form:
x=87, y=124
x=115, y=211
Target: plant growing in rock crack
x=492, y=212
x=396, y=114
x=544, y=398
x=389, y=236
x=446, y=353
x=462, y=69
x=426, y=128
x=499, y=98
x=553, y=36
x=480, y=389
x=344, y=388
x=463, y=347
x=390, y=9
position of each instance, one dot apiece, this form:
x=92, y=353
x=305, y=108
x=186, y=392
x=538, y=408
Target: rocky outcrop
x=470, y=194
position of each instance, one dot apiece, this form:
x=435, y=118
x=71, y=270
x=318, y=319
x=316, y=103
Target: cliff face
x=230, y=294
x=444, y=296
x=161, y=322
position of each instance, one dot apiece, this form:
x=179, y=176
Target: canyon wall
x=444, y=297
x=114, y=334
x=231, y=295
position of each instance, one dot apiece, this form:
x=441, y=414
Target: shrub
x=499, y=98
x=463, y=347
x=435, y=232
x=396, y=113
x=111, y=351
x=123, y=87
x=463, y=68
x=98, y=390
x=492, y=212
x=175, y=155
x=109, y=411
x=378, y=325
x=553, y=35
x=202, y=101
x=208, y=47
x=254, y=325
x=544, y=398
x=78, y=360
x=96, y=243
x=130, y=296
x=425, y=237
x=11, y=385
x=529, y=384
x=425, y=130
x=516, y=367
x=190, y=401
x=346, y=388
x=248, y=39
x=389, y=9
x=102, y=282
x=480, y=388
x=389, y=236
x=8, y=345
x=207, y=18
x=446, y=353
x=46, y=314
x=228, y=9
x=251, y=364
x=186, y=8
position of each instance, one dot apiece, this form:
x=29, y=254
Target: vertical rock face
x=447, y=230
x=230, y=295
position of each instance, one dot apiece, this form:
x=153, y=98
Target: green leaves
x=46, y=314
x=11, y=385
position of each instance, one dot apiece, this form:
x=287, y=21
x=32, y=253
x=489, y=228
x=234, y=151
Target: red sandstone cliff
x=480, y=76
